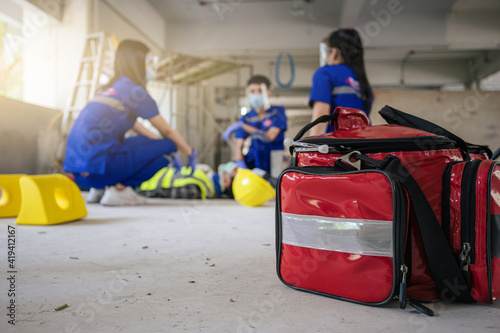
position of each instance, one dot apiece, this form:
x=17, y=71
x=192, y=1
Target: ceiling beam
x=53, y=8
x=350, y=12
x=488, y=64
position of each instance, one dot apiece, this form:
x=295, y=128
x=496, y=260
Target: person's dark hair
x=130, y=62
x=351, y=47
x=259, y=79
x=229, y=192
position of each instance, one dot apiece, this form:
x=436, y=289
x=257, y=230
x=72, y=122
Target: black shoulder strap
x=444, y=268
x=397, y=117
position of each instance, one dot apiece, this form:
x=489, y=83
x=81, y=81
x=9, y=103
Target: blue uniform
x=216, y=182
x=336, y=85
x=96, y=143
x=259, y=154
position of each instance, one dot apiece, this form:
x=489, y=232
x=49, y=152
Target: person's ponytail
x=130, y=62
x=350, y=45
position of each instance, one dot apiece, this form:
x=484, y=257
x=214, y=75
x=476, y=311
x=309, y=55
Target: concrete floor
x=179, y=265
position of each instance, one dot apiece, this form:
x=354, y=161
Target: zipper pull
x=402, y=288
x=323, y=149
x=420, y=307
x=464, y=257
x=402, y=296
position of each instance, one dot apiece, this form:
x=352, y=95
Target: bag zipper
x=445, y=199
x=417, y=143
x=402, y=234
x=488, y=233
x=468, y=218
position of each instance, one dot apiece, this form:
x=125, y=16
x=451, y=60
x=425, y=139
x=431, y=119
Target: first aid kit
x=359, y=214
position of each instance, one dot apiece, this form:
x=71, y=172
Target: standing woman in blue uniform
x=341, y=80
x=265, y=124
x=97, y=152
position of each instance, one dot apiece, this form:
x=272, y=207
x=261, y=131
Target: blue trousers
x=145, y=158
x=259, y=155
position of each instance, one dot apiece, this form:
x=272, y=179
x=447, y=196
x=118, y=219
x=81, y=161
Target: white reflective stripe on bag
x=357, y=236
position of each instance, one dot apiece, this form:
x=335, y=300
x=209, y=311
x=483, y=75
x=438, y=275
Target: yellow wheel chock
x=10, y=195
x=49, y=199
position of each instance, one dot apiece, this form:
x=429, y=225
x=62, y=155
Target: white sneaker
x=94, y=195
x=126, y=197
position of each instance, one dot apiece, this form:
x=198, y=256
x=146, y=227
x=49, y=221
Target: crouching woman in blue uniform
x=97, y=152
x=341, y=80
x=265, y=124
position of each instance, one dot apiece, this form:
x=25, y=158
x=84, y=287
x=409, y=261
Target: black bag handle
x=397, y=117
x=496, y=154
x=444, y=268
x=322, y=119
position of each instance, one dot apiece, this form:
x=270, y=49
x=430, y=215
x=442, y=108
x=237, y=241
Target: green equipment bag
x=184, y=184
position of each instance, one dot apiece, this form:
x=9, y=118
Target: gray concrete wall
x=472, y=115
x=22, y=133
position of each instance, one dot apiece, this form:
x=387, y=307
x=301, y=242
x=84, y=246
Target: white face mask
x=323, y=50
x=150, y=74
x=258, y=98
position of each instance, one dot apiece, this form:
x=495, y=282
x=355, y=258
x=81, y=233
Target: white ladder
x=97, y=59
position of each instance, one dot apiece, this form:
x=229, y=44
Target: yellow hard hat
x=251, y=190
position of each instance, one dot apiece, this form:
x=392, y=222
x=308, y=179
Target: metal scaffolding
x=187, y=72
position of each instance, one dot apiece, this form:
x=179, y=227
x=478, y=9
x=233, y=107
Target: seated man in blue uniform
x=265, y=124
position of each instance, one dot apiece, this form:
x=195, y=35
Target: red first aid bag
x=333, y=222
